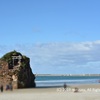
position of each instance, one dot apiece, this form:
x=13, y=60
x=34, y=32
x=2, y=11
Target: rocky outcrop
x=15, y=69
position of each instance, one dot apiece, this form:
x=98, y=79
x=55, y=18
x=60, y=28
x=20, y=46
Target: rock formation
x=15, y=69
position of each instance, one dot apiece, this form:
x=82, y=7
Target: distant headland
x=67, y=74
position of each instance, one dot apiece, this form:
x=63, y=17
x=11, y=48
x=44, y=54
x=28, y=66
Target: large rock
x=15, y=69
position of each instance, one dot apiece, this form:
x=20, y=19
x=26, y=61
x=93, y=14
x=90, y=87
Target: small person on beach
x=7, y=87
x=65, y=86
x=10, y=87
x=76, y=89
x=1, y=88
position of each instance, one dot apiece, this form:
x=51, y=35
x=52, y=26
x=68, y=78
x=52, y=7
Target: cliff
x=15, y=69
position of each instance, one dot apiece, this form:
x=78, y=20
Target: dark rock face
x=15, y=69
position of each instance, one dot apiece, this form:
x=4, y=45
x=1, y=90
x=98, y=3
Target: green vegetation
x=8, y=58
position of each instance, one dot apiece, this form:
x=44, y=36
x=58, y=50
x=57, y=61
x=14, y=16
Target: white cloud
x=62, y=57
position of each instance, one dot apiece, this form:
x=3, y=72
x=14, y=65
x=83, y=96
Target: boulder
x=15, y=70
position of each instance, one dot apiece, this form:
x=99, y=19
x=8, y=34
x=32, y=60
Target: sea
x=52, y=81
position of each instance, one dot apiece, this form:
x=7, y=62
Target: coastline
x=67, y=74
x=53, y=93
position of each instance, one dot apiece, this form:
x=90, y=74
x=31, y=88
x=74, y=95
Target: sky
x=59, y=36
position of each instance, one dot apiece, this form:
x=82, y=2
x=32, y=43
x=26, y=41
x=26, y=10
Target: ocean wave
x=59, y=82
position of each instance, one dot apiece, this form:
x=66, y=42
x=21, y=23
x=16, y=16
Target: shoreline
x=53, y=93
x=80, y=86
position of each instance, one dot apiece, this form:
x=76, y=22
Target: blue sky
x=56, y=34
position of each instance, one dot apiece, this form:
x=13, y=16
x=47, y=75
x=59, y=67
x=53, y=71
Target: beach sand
x=86, y=92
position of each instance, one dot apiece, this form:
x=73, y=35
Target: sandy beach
x=86, y=92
